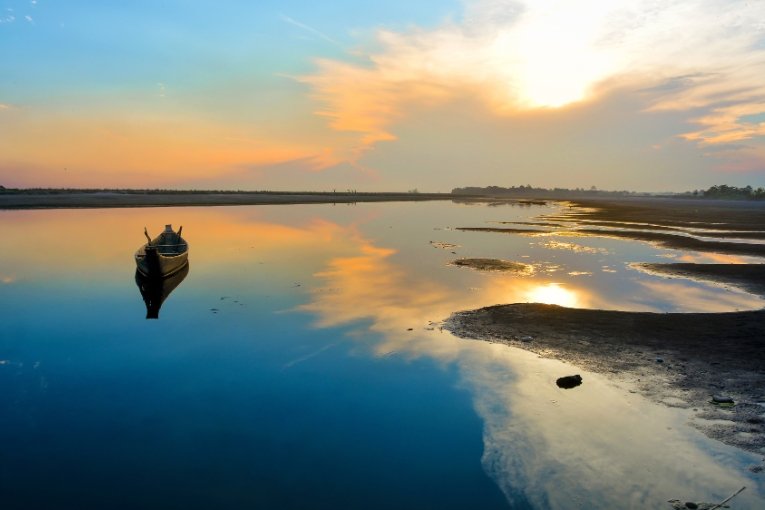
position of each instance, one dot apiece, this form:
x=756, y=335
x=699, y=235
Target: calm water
x=300, y=364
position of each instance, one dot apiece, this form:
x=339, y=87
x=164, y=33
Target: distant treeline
x=719, y=192
x=725, y=192
x=530, y=191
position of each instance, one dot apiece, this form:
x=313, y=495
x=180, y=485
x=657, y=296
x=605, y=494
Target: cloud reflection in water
x=597, y=446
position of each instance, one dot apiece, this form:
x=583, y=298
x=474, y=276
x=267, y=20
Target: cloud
x=701, y=57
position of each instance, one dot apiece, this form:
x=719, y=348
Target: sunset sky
x=433, y=94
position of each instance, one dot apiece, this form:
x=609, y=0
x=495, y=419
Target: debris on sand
x=496, y=265
x=697, y=505
x=443, y=246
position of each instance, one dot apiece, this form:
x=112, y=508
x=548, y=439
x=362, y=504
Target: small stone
x=659, y=360
x=527, y=338
x=722, y=399
x=691, y=505
x=570, y=381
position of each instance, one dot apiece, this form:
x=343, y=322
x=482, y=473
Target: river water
x=301, y=364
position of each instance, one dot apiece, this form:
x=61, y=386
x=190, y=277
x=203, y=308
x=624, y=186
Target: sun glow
x=555, y=53
x=553, y=294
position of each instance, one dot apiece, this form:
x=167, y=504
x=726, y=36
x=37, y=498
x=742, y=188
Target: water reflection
x=597, y=447
x=156, y=289
x=376, y=276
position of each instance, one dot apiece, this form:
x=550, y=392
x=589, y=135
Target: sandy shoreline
x=679, y=359
x=67, y=200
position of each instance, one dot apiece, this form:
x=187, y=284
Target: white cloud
x=518, y=56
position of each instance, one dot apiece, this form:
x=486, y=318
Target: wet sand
x=750, y=277
x=679, y=359
x=70, y=200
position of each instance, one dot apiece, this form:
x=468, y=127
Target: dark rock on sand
x=570, y=381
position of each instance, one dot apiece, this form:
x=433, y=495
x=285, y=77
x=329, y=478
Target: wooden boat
x=156, y=289
x=164, y=255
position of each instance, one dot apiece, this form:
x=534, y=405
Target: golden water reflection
x=554, y=294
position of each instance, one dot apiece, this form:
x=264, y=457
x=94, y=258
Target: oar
x=147, y=235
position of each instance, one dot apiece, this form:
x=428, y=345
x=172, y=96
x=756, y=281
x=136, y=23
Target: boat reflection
x=156, y=289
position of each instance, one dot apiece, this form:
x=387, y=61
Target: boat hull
x=156, y=264
x=164, y=255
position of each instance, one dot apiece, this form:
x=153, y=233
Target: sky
x=397, y=95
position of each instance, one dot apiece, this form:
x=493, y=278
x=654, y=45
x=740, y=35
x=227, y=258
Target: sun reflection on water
x=554, y=294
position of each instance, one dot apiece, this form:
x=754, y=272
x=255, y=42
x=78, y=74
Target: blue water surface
x=302, y=363
x=244, y=406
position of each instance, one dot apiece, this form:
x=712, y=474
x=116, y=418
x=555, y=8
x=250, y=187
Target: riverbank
x=98, y=199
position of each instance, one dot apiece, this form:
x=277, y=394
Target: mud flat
x=750, y=277
x=669, y=212
x=698, y=225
